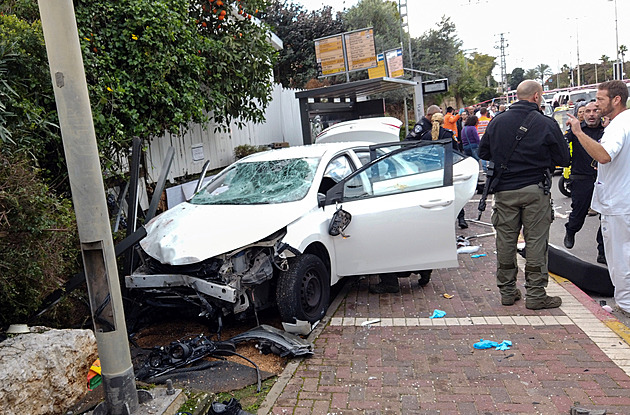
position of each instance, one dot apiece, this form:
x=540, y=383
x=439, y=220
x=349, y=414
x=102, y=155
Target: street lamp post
x=619, y=71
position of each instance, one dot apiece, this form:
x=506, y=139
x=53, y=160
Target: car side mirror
x=339, y=222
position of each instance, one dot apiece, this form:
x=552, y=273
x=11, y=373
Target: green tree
x=516, y=77
x=296, y=63
x=531, y=74
x=605, y=60
x=436, y=50
x=382, y=15
x=30, y=113
x=155, y=65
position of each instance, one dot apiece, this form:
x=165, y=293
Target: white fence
x=199, y=144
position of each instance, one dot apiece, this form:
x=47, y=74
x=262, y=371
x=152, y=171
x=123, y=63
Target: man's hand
x=574, y=123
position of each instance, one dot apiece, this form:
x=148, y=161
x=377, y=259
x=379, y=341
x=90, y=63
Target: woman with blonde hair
x=438, y=132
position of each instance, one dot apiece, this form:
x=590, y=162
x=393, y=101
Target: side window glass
x=410, y=170
x=338, y=168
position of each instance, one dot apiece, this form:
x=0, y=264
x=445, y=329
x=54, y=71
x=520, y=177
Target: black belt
x=582, y=177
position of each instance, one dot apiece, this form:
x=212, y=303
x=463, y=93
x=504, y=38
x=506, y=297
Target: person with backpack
x=524, y=146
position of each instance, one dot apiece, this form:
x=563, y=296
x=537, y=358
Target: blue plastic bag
x=438, y=313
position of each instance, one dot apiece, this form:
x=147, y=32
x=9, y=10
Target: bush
x=247, y=149
x=38, y=241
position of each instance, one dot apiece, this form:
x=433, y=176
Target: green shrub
x=247, y=149
x=38, y=241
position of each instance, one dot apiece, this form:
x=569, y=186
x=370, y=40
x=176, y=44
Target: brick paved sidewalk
x=410, y=364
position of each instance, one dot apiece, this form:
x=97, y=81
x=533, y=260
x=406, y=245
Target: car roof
x=312, y=150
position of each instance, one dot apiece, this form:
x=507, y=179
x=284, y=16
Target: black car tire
x=303, y=292
x=425, y=277
x=564, y=186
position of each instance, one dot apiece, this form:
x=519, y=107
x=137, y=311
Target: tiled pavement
x=407, y=363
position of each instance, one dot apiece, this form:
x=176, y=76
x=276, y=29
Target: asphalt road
x=585, y=244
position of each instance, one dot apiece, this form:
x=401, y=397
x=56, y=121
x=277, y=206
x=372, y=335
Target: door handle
x=435, y=203
x=461, y=177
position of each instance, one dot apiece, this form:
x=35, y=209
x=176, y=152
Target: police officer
x=522, y=197
x=583, y=175
x=424, y=124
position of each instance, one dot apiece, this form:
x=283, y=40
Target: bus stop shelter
x=322, y=107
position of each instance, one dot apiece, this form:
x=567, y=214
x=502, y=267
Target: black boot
x=569, y=239
x=388, y=284
x=462, y=223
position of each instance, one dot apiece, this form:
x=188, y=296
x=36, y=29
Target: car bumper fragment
x=145, y=281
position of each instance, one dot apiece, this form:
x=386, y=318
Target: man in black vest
x=583, y=175
x=522, y=196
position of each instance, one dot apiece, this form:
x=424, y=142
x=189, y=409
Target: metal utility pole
x=502, y=45
x=86, y=182
x=404, y=23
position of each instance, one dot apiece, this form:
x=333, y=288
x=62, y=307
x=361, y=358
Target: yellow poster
x=329, y=55
x=379, y=71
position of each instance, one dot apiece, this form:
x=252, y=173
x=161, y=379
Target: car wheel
x=425, y=277
x=564, y=186
x=303, y=291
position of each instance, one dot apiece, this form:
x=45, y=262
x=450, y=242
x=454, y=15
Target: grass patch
x=248, y=397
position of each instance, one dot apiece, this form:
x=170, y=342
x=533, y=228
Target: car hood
x=189, y=233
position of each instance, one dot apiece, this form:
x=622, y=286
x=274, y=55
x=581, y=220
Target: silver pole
x=86, y=182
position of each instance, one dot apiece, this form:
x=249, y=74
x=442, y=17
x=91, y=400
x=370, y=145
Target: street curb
x=291, y=367
x=610, y=320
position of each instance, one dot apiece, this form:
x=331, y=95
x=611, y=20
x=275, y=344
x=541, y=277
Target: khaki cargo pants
x=530, y=209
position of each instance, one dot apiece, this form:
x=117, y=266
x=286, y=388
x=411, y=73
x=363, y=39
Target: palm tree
x=622, y=51
x=605, y=60
x=531, y=74
x=543, y=71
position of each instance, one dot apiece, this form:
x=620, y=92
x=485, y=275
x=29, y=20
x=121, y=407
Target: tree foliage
x=436, y=50
x=383, y=16
x=38, y=242
x=298, y=29
x=516, y=77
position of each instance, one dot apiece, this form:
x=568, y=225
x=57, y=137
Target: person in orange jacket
x=450, y=120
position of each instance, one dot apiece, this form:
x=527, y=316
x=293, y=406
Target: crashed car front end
x=229, y=283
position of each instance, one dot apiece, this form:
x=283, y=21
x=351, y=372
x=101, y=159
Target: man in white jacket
x=610, y=197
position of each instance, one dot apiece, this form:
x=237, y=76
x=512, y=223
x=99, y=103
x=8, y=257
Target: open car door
x=398, y=211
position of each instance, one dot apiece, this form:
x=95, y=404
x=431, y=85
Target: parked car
x=279, y=228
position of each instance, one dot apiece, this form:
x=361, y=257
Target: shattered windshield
x=260, y=182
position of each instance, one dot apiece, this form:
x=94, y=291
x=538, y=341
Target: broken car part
x=279, y=342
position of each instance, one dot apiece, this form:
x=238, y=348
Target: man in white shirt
x=610, y=197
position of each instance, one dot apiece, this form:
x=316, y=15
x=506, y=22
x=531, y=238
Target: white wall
x=196, y=145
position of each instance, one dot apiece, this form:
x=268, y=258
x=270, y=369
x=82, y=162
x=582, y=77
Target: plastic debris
x=607, y=308
x=438, y=313
x=504, y=345
x=449, y=296
x=488, y=344
x=485, y=344
x=467, y=249
x=478, y=255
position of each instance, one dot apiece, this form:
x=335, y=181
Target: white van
x=569, y=98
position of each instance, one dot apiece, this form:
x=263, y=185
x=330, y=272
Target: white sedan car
x=279, y=228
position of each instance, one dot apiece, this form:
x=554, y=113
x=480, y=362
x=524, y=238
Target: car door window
x=338, y=169
x=412, y=169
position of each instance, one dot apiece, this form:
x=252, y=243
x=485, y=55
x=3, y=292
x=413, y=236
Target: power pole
x=404, y=23
x=502, y=45
x=88, y=193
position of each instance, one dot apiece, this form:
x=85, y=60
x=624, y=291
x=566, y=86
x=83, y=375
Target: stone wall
x=45, y=371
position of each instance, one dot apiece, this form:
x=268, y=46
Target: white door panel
x=402, y=232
